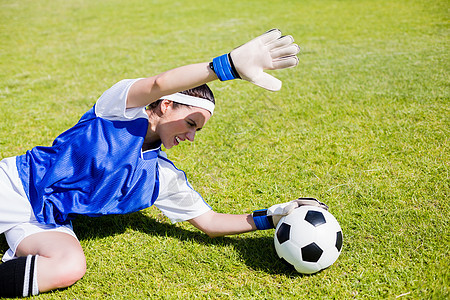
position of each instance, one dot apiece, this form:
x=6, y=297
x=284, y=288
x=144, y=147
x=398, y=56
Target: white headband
x=191, y=100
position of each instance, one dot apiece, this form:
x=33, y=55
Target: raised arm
x=148, y=90
x=270, y=51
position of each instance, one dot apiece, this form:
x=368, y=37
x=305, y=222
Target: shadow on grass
x=257, y=252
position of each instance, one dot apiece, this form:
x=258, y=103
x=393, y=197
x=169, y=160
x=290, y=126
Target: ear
x=165, y=104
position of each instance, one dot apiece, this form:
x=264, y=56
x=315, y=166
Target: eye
x=191, y=123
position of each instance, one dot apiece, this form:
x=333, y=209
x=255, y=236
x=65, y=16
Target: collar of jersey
x=151, y=154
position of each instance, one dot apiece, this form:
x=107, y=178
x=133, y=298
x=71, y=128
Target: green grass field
x=362, y=124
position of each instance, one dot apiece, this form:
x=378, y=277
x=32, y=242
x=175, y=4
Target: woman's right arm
x=148, y=90
x=269, y=51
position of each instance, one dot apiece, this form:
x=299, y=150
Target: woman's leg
x=61, y=260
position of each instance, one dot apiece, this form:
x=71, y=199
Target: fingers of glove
x=267, y=81
x=312, y=202
x=307, y=201
x=285, y=62
x=290, y=50
x=281, y=42
x=269, y=36
x=323, y=205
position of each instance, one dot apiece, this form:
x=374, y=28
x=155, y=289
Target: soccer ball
x=309, y=239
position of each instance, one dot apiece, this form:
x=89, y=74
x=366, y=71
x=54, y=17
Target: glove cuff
x=224, y=68
x=262, y=220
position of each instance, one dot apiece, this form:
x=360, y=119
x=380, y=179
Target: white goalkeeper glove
x=269, y=218
x=270, y=51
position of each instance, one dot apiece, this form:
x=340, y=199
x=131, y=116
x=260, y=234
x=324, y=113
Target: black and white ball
x=309, y=238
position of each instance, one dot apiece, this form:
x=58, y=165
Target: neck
x=151, y=139
x=150, y=146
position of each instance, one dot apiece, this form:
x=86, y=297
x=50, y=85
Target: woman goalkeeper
x=111, y=162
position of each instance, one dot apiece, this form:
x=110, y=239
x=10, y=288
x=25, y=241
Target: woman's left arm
x=217, y=224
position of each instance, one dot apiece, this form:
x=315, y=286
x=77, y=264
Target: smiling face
x=177, y=124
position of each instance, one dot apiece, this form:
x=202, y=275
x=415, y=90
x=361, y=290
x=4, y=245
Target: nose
x=191, y=135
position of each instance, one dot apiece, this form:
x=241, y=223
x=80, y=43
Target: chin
x=167, y=145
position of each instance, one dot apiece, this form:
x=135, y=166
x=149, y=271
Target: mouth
x=177, y=140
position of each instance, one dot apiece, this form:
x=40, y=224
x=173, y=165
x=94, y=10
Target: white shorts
x=17, y=219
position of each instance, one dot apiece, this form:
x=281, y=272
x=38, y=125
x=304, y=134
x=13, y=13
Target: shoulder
x=112, y=104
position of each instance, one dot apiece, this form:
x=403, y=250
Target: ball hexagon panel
x=325, y=236
x=290, y=252
x=308, y=233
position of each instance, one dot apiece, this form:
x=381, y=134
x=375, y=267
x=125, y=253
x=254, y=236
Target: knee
x=71, y=269
x=61, y=260
x=67, y=269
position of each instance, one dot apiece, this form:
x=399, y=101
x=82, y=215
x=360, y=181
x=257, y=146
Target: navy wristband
x=223, y=68
x=262, y=220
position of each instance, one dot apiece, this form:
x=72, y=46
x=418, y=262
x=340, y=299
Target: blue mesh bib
x=95, y=168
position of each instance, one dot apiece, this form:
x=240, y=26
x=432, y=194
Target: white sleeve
x=177, y=199
x=112, y=105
